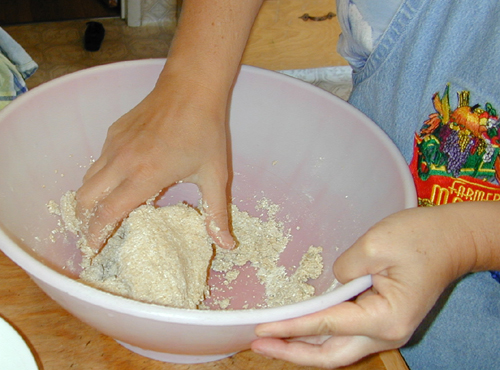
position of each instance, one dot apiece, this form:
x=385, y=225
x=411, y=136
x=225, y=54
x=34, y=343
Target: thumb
x=215, y=207
x=350, y=265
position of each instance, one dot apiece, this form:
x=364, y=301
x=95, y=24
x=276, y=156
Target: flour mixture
x=163, y=255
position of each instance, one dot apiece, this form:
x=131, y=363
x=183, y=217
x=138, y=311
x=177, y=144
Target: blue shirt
x=430, y=81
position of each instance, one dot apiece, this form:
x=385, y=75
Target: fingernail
x=223, y=238
x=229, y=241
x=229, y=245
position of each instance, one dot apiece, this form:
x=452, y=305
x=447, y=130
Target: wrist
x=197, y=77
x=470, y=231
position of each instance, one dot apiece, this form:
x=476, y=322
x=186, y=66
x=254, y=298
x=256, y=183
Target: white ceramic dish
x=14, y=352
x=334, y=172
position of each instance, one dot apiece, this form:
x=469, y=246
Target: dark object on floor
x=94, y=34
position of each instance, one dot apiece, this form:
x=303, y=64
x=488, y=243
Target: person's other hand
x=177, y=133
x=411, y=265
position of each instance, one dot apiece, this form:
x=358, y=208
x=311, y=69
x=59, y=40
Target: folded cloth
x=15, y=67
x=11, y=82
x=17, y=55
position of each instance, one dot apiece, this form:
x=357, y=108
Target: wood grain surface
x=281, y=39
x=59, y=341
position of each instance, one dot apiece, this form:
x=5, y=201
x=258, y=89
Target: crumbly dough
x=163, y=255
x=261, y=243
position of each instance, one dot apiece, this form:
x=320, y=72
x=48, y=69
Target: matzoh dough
x=158, y=255
x=163, y=255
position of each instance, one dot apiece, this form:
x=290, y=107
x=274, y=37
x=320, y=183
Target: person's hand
x=412, y=257
x=177, y=133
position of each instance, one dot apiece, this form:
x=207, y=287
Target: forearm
x=209, y=42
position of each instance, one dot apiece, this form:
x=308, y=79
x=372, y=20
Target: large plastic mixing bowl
x=332, y=170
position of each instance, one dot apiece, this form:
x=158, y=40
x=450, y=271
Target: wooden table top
x=60, y=341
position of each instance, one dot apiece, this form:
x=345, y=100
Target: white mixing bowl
x=333, y=171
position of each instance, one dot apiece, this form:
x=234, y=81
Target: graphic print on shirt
x=456, y=153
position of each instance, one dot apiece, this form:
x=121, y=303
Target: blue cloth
x=462, y=330
x=15, y=66
x=11, y=82
x=430, y=46
x=363, y=23
x=17, y=55
x=495, y=275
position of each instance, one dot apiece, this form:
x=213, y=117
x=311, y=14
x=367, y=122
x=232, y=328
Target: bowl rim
x=108, y=301
x=111, y=302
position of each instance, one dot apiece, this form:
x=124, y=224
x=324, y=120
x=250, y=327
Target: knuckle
x=326, y=326
x=216, y=214
x=135, y=168
x=106, y=213
x=373, y=244
x=143, y=171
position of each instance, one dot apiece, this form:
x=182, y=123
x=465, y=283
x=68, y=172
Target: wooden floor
x=35, y=11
